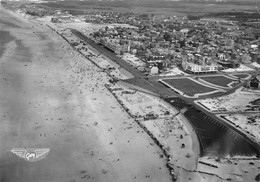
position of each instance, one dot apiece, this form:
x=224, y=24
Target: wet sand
x=51, y=97
x=5, y=38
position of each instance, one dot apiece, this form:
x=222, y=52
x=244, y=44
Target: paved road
x=109, y=54
x=154, y=86
x=50, y=97
x=140, y=79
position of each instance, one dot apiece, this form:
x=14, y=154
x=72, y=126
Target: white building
x=197, y=68
x=114, y=45
x=154, y=70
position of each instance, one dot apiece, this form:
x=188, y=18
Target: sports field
x=188, y=86
x=218, y=80
x=242, y=76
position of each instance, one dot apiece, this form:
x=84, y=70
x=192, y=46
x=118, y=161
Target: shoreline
x=186, y=123
x=178, y=118
x=86, y=103
x=146, y=92
x=186, y=126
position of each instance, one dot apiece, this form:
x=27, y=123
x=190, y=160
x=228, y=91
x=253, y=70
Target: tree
x=96, y=34
x=167, y=37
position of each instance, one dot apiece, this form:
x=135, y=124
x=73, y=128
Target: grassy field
x=188, y=86
x=241, y=75
x=218, y=80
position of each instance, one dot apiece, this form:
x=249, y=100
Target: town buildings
x=164, y=41
x=199, y=66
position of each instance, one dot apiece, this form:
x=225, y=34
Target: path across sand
x=51, y=97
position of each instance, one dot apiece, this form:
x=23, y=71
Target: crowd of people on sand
x=104, y=77
x=78, y=72
x=137, y=120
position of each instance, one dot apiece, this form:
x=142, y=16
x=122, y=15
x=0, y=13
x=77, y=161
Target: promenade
x=51, y=97
x=151, y=84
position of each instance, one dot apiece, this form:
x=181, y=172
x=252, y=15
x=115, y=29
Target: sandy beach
x=59, y=96
x=51, y=97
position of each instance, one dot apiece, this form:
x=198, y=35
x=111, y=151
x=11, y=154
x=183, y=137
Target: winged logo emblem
x=31, y=154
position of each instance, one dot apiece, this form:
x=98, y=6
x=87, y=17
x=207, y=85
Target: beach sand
x=51, y=97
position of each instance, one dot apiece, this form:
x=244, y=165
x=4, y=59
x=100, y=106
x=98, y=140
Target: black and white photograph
x=129, y=90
